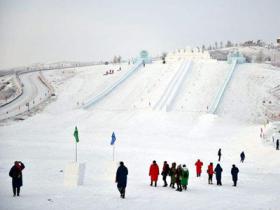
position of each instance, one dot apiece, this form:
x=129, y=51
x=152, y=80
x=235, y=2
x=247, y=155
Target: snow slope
x=44, y=142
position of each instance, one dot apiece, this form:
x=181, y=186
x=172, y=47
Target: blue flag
x=113, y=139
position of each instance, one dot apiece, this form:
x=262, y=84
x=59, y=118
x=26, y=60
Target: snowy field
x=45, y=142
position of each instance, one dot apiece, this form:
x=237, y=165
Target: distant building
x=236, y=56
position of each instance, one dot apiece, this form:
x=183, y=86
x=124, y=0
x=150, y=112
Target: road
x=34, y=92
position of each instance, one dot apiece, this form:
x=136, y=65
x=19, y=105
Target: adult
x=198, y=166
x=210, y=172
x=234, y=174
x=277, y=144
x=185, y=177
x=154, y=172
x=172, y=174
x=165, y=172
x=219, y=154
x=218, y=172
x=178, y=176
x=16, y=174
x=242, y=157
x=121, y=179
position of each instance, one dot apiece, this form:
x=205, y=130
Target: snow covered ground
x=45, y=142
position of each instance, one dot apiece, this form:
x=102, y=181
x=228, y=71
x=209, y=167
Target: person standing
x=242, y=157
x=154, y=172
x=218, y=172
x=172, y=174
x=220, y=154
x=277, y=144
x=16, y=175
x=121, y=179
x=165, y=172
x=185, y=177
x=234, y=174
x=178, y=176
x=198, y=165
x=210, y=172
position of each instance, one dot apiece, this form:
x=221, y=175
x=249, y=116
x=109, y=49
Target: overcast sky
x=34, y=31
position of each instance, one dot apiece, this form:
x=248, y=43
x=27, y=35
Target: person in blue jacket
x=234, y=174
x=218, y=172
x=121, y=179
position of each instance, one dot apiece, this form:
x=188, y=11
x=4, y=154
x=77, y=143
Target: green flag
x=76, y=134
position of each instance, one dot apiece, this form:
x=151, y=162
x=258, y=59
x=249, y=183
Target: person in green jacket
x=185, y=177
x=172, y=174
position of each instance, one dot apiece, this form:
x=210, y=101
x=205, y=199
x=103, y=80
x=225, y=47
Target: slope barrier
x=92, y=101
x=215, y=104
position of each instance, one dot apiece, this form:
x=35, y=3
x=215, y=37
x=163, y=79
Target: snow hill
x=181, y=132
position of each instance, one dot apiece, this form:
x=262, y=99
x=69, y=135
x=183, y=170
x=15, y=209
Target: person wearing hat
x=185, y=177
x=16, y=175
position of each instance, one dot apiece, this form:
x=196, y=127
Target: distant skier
x=234, y=174
x=121, y=179
x=218, y=172
x=277, y=144
x=220, y=154
x=172, y=174
x=165, y=172
x=210, y=172
x=198, y=165
x=154, y=172
x=185, y=177
x=242, y=157
x=16, y=174
x=178, y=176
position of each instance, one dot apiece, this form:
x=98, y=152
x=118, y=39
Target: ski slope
x=247, y=90
x=201, y=86
x=45, y=142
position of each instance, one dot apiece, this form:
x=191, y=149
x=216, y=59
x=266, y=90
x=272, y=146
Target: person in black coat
x=277, y=144
x=165, y=172
x=218, y=172
x=242, y=157
x=234, y=174
x=16, y=175
x=121, y=178
x=219, y=154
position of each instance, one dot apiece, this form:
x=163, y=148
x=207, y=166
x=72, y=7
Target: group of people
x=179, y=175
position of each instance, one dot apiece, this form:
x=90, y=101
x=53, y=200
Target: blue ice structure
x=235, y=56
x=143, y=57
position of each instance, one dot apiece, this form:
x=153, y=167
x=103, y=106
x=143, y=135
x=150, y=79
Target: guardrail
x=214, y=106
x=108, y=90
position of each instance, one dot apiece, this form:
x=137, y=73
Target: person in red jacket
x=210, y=172
x=154, y=172
x=198, y=165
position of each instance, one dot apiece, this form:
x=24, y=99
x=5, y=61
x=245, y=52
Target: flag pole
x=114, y=152
x=76, y=157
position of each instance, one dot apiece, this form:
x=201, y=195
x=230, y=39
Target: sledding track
x=217, y=100
x=92, y=101
x=167, y=99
